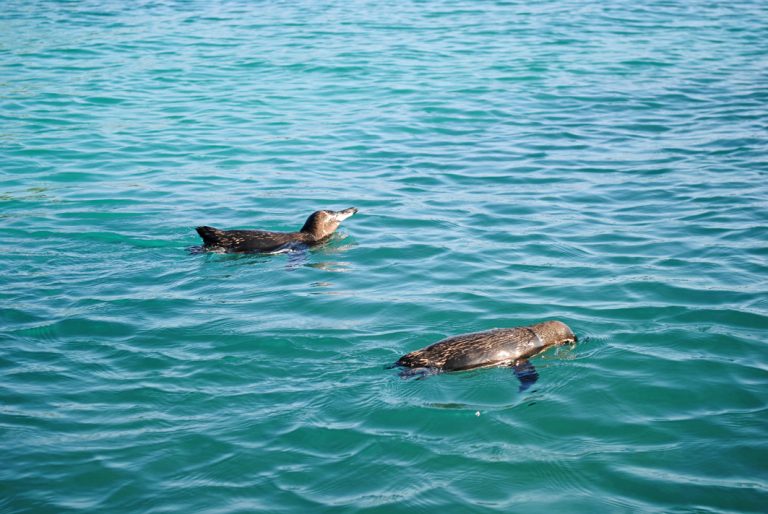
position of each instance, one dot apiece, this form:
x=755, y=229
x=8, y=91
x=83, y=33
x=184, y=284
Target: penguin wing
x=525, y=373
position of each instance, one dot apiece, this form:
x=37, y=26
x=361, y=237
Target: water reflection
x=332, y=266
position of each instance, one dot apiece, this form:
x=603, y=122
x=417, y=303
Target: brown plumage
x=497, y=347
x=317, y=228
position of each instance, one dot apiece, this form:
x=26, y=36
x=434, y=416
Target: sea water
x=600, y=163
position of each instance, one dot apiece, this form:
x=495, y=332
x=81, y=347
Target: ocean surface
x=600, y=163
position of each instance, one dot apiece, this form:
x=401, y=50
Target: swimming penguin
x=498, y=347
x=317, y=228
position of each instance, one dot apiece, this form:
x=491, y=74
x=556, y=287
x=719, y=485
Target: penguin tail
x=211, y=236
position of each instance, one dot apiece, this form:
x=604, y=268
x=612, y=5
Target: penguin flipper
x=526, y=373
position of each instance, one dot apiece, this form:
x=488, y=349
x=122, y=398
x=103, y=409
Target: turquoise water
x=603, y=164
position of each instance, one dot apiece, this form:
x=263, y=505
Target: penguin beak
x=342, y=215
